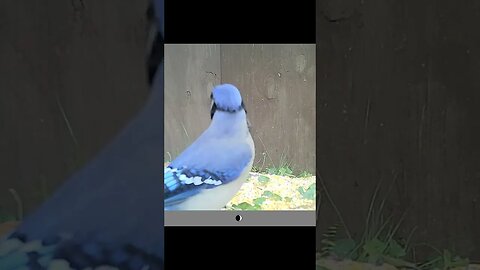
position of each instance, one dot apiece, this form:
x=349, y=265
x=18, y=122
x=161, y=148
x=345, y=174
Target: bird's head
x=226, y=98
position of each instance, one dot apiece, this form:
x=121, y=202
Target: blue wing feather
x=186, y=176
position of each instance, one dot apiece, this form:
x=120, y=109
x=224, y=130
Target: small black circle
x=238, y=218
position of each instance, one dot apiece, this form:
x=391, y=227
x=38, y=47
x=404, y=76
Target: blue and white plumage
x=111, y=212
x=207, y=174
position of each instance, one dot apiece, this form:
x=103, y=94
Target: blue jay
x=207, y=174
x=110, y=213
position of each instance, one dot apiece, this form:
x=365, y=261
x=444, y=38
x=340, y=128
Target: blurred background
x=398, y=106
x=72, y=73
x=277, y=83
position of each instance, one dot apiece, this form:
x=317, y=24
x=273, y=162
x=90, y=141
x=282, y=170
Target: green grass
x=257, y=202
x=443, y=260
x=285, y=170
x=380, y=242
x=281, y=171
x=305, y=174
x=263, y=179
x=282, y=167
x=246, y=206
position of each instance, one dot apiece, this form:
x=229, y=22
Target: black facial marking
x=228, y=110
x=213, y=110
x=222, y=109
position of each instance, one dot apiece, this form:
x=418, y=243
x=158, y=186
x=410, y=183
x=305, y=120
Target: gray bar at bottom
x=248, y=218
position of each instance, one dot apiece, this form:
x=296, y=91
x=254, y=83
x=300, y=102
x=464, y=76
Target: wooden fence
x=399, y=102
x=277, y=83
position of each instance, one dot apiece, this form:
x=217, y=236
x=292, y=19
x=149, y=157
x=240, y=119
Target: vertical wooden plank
x=191, y=72
x=278, y=85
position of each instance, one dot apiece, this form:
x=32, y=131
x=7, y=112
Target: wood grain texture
x=277, y=83
x=398, y=92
